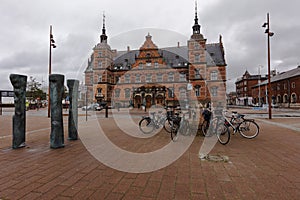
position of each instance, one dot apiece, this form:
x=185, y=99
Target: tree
x=34, y=89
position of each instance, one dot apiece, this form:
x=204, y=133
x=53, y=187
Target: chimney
x=128, y=48
x=178, y=44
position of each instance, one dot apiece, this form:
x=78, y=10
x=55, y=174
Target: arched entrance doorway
x=159, y=99
x=148, y=101
x=137, y=101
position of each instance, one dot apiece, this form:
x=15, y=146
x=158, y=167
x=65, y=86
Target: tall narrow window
x=137, y=78
x=214, y=91
x=100, y=78
x=170, y=92
x=159, y=78
x=197, y=90
x=127, y=78
x=171, y=77
x=182, y=77
x=117, y=92
x=127, y=93
x=197, y=58
x=148, y=78
x=197, y=73
x=214, y=75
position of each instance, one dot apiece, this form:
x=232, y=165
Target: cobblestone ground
x=266, y=167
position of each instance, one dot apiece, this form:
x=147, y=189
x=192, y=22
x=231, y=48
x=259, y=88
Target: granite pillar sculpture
x=19, y=83
x=73, y=109
x=56, y=93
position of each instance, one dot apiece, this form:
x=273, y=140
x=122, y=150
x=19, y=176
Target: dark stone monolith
x=73, y=109
x=19, y=83
x=56, y=93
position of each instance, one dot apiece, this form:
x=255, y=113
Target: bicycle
x=216, y=126
x=179, y=124
x=148, y=124
x=247, y=128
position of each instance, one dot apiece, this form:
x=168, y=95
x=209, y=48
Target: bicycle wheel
x=204, y=127
x=184, y=128
x=248, y=129
x=168, y=125
x=174, y=131
x=146, y=125
x=223, y=133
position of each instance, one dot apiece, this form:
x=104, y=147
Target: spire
x=196, y=27
x=103, y=37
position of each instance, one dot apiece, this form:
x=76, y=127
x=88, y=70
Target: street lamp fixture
x=52, y=45
x=269, y=34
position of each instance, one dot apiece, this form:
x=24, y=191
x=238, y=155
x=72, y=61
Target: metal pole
x=269, y=71
x=86, y=104
x=49, y=70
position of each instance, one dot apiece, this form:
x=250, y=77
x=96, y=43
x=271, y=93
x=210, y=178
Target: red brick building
x=150, y=75
x=243, y=85
x=285, y=89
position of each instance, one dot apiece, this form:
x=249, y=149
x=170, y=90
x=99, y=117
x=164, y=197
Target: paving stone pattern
x=266, y=167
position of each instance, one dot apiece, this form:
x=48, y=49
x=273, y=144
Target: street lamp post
x=259, y=101
x=51, y=45
x=269, y=34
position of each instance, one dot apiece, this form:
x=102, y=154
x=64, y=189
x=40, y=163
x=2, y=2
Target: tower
x=197, y=58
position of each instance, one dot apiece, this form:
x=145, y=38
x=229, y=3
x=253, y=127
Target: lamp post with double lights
x=51, y=45
x=269, y=34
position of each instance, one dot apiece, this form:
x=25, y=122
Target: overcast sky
x=77, y=25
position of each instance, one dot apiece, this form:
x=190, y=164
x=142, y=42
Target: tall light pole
x=259, y=81
x=51, y=45
x=269, y=34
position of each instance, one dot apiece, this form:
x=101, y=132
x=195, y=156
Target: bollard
x=56, y=92
x=73, y=109
x=19, y=83
x=106, y=111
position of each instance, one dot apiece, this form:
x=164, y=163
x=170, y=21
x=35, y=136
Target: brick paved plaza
x=266, y=167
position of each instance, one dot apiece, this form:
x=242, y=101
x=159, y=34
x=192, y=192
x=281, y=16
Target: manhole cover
x=214, y=158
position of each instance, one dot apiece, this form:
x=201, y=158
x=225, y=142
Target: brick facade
x=184, y=75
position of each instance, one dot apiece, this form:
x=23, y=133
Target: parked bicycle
x=179, y=125
x=216, y=126
x=149, y=124
x=247, y=128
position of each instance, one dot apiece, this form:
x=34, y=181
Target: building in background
x=152, y=75
x=244, y=93
x=285, y=89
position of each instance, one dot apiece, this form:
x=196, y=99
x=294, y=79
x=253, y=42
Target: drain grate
x=214, y=158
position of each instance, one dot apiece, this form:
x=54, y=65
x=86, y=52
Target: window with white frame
x=214, y=91
x=293, y=84
x=197, y=57
x=127, y=78
x=156, y=65
x=137, y=78
x=182, y=93
x=148, y=78
x=197, y=45
x=140, y=65
x=197, y=73
x=171, y=76
x=182, y=77
x=214, y=75
x=117, y=92
x=99, y=64
x=127, y=93
x=100, y=78
x=159, y=78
